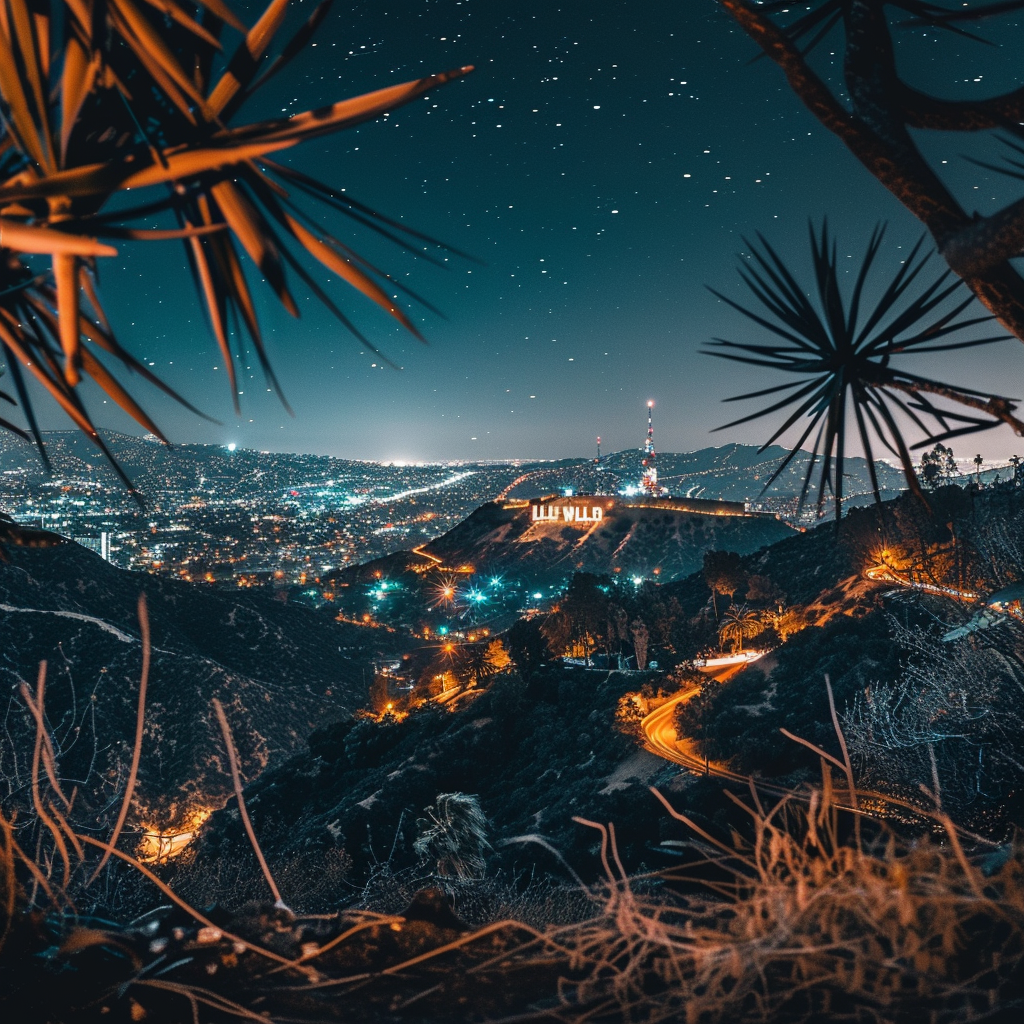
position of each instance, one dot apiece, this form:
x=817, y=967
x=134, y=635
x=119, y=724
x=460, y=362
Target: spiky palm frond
x=99, y=97
x=740, y=623
x=841, y=350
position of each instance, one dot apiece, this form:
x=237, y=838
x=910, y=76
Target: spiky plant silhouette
x=99, y=97
x=841, y=350
x=454, y=835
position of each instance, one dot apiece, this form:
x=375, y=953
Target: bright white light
x=232, y=446
x=537, y=596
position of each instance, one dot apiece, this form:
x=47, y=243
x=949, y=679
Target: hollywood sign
x=566, y=513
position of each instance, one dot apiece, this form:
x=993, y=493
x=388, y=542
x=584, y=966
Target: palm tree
x=739, y=622
x=978, y=463
x=841, y=352
x=102, y=98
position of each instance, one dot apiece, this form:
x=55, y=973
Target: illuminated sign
x=582, y=514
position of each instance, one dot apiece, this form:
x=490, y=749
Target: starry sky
x=601, y=166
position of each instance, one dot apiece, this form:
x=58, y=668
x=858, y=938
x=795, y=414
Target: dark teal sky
x=602, y=162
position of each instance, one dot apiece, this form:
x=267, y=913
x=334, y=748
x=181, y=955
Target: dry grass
x=809, y=911
x=802, y=922
x=812, y=912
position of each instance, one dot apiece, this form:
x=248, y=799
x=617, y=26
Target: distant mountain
x=271, y=518
x=279, y=671
x=734, y=472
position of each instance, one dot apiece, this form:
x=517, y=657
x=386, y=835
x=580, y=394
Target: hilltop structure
x=649, y=477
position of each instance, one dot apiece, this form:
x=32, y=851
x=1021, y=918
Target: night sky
x=602, y=164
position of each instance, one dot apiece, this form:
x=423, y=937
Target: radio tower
x=649, y=480
x=599, y=451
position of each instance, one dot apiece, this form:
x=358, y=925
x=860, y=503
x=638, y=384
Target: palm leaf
x=840, y=352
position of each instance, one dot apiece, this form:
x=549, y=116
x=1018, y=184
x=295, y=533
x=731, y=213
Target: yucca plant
x=841, y=349
x=99, y=97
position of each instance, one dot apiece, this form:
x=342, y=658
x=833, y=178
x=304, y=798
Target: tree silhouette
x=938, y=466
x=876, y=110
x=723, y=573
x=738, y=623
x=641, y=637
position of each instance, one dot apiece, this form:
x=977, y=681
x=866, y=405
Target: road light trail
x=659, y=726
x=426, y=554
x=886, y=574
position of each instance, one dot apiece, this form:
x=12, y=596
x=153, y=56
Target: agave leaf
x=29, y=238
x=77, y=81
x=350, y=273
x=187, y=22
x=157, y=59
x=65, y=276
x=242, y=68
x=140, y=34
x=366, y=215
x=231, y=269
x=215, y=310
x=106, y=178
x=344, y=114
x=292, y=49
x=315, y=288
x=162, y=234
x=52, y=382
x=256, y=237
x=99, y=373
x=14, y=95
x=26, y=404
x=221, y=10
x=28, y=49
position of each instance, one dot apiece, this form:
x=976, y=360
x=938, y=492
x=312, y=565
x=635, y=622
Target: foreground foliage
x=841, y=350
x=813, y=913
x=101, y=99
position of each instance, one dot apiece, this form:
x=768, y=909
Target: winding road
x=106, y=626
x=887, y=574
x=659, y=726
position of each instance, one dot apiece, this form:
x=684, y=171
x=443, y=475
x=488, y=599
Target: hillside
x=502, y=559
x=280, y=671
x=540, y=744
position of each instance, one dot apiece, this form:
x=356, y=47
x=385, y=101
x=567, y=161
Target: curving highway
x=887, y=574
x=659, y=726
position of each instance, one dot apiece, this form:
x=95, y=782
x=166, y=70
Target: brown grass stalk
x=183, y=904
x=140, y=723
x=37, y=749
x=8, y=878
x=236, y=778
x=200, y=996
